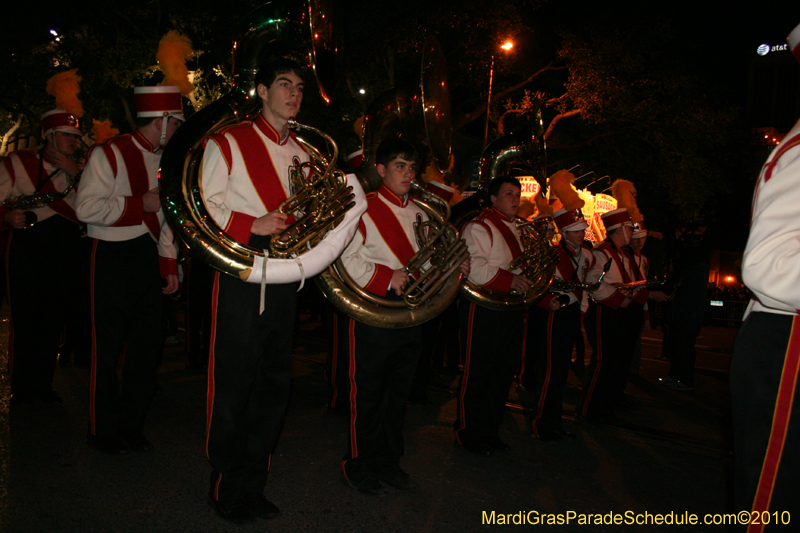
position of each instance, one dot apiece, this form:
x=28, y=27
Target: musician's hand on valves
x=465, y=267
x=151, y=201
x=658, y=296
x=15, y=218
x=520, y=284
x=555, y=304
x=270, y=224
x=399, y=281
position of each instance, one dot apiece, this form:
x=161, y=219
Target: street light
x=506, y=46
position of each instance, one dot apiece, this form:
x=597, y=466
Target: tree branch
x=480, y=110
x=556, y=120
x=7, y=136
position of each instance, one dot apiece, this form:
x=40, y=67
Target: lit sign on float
x=530, y=187
x=764, y=49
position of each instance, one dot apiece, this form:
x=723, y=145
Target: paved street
x=672, y=453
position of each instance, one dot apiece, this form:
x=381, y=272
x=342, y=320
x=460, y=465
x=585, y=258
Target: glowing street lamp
x=506, y=46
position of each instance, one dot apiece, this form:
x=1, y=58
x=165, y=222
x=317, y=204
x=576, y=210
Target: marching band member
x=133, y=263
x=245, y=180
x=492, y=339
x=383, y=361
x=609, y=322
x=766, y=356
x=39, y=289
x=555, y=321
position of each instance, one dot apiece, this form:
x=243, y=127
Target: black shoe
x=109, y=445
x=49, y=397
x=548, y=436
x=367, y=485
x=261, y=507
x=139, y=443
x=565, y=434
x=237, y=512
x=476, y=447
x=497, y=445
x=398, y=479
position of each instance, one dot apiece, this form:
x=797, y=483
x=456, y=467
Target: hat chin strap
x=164, y=123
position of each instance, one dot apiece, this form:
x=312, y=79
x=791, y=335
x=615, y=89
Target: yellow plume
x=561, y=186
x=103, y=131
x=65, y=86
x=625, y=193
x=542, y=206
x=173, y=51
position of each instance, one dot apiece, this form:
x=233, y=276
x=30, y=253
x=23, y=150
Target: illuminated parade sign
x=530, y=187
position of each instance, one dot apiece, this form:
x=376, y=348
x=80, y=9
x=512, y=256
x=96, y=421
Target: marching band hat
x=616, y=218
x=571, y=220
x=160, y=101
x=59, y=120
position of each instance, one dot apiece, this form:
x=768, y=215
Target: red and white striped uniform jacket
x=385, y=240
x=493, y=241
x=573, y=265
x=118, y=173
x=246, y=174
x=622, y=271
x=20, y=173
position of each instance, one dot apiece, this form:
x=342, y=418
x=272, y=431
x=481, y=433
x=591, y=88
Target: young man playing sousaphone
x=492, y=339
x=383, y=361
x=245, y=180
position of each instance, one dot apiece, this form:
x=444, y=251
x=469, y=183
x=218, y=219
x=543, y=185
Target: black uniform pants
x=126, y=317
x=382, y=365
x=611, y=336
x=764, y=405
x=551, y=336
x=249, y=379
x=493, y=341
x=42, y=268
x=337, y=366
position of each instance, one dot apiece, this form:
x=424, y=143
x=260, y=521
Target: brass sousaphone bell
x=301, y=31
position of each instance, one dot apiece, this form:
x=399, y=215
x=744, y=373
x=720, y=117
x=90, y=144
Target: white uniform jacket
x=117, y=174
x=493, y=241
x=246, y=174
x=622, y=271
x=771, y=263
x=20, y=174
x=385, y=240
x=573, y=265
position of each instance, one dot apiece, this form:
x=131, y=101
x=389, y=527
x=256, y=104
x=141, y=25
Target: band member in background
x=245, y=180
x=383, y=361
x=492, y=339
x=641, y=266
x=608, y=322
x=39, y=285
x=133, y=264
x=766, y=356
x=554, y=323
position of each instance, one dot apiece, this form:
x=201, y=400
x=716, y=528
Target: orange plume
x=65, y=86
x=561, y=186
x=173, y=51
x=103, y=131
x=544, y=208
x=625, y=193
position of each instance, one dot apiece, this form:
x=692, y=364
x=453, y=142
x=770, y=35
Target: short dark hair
x=274, y=67
x=494, y=186
x=391, y=149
